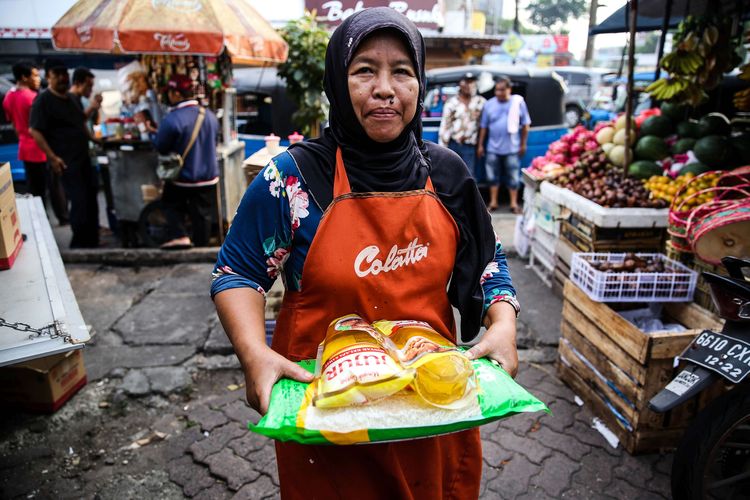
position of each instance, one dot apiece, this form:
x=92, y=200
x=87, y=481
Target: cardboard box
x=44, y=384
x=10, y=229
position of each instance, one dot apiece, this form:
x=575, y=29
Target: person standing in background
x=58, y=126
x=508, y=121
x=17, y=107
x=193, y=192
x=83, y=86
x=459, y=126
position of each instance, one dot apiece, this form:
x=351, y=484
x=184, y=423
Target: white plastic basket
x=677, y=285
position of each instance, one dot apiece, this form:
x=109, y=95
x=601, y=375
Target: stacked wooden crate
x=577, y=234
x=617, y=368
x=588, y=227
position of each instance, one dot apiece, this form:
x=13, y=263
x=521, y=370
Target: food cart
x=202, y=40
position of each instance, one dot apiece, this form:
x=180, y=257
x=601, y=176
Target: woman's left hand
x=499, y=341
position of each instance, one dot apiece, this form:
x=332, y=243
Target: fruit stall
x=625, y=218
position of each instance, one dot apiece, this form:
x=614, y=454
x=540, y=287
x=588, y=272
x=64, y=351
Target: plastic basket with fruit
x=721, y=227
x=703, y=195
x=632, y=277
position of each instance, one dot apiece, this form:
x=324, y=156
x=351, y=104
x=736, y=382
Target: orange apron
x=382, y=256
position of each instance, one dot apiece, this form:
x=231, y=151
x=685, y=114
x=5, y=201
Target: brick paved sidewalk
x=159, y=362
x=532, y=456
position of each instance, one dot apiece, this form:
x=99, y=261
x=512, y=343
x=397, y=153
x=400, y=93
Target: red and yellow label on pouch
x=358, y=363
x=353, y=367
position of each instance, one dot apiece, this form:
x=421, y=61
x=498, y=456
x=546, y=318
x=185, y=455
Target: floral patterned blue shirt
x=274, y=227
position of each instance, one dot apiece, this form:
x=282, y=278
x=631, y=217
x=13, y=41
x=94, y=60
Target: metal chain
x=52, y=330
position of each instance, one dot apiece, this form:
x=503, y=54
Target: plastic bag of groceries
x=389, y=381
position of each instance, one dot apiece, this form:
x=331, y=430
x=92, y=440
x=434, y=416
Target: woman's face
x=383, y=86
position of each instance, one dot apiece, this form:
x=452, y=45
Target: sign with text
x=424, y=13
x=512, y=44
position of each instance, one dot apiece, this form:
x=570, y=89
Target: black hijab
x=402, y=164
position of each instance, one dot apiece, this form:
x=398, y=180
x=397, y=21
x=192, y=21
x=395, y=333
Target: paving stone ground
x=162, y=374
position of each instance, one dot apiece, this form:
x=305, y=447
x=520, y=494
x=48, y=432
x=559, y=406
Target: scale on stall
x=39, y=315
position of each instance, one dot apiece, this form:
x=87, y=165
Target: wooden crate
x=612, y=239
x=596, y=233
x=616, y=368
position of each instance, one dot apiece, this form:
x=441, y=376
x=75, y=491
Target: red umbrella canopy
x=202, y=27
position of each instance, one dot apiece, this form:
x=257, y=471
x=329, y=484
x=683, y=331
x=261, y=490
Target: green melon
x=660, y=126
x=741, y=148
x=651, y=148
x=713, y=124
x=675, y=112
x=644, y=169
x=712, y=150
x=688, y=129
x=683, y=145
x=696, y=168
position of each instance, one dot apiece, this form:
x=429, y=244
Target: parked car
x=582, y=85
x=543, y=90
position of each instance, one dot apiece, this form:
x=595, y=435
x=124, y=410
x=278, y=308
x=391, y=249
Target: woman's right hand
x=264, y=369
x=241, y=311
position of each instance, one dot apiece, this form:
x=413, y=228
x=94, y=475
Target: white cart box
x=602, y=216
x=36, y=292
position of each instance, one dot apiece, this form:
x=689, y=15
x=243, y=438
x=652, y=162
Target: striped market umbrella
x=197, y=27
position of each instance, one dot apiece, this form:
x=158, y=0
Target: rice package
x=425, y=386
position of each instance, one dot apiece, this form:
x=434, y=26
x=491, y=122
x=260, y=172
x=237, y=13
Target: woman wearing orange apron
x=369, y=220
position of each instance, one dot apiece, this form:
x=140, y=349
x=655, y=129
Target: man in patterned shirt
x=459, y=127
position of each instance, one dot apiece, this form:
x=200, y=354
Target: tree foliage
x=303, y=71
x=555, y=13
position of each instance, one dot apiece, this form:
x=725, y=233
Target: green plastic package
x=291, y=416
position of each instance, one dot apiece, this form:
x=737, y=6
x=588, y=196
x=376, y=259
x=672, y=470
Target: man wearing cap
x=58, y=125
x=193, y=193
x=460, y=124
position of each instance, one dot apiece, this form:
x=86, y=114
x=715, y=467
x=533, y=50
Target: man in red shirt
x=17, y=107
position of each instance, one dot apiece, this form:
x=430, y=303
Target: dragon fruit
x=590, y=145
x=559, y=158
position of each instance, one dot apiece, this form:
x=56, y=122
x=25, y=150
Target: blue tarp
x=619, y=22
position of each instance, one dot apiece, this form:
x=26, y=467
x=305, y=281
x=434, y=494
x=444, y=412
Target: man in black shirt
x=82, y=88
x=58, y=126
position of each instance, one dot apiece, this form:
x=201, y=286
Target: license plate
x=725, y=355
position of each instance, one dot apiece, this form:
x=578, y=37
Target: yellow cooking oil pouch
x=353, y=368
x=444, y=376
x=462, y=393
